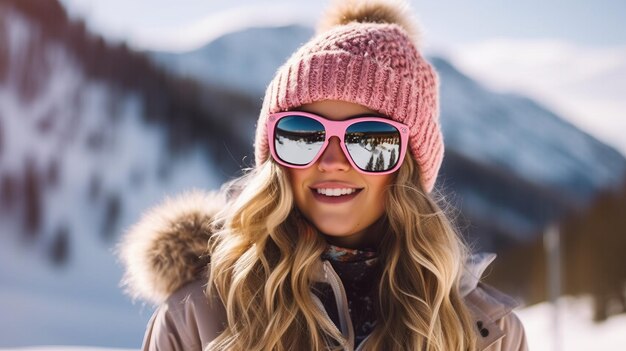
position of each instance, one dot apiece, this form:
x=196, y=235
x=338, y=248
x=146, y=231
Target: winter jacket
x=163, y=257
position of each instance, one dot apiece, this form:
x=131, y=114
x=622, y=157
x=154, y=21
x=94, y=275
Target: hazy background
x=106, y=107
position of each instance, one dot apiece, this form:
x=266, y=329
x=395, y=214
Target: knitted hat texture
x=376, y=65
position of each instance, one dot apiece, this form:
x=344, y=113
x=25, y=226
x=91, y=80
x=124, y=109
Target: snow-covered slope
x=78, y=163
x=567, y=325
x=516, y=133
x=583, y=82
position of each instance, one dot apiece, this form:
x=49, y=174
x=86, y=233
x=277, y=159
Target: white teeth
x=335, y=191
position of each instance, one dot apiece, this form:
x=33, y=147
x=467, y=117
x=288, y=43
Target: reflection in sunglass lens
x=297, y=139
x=373, y=146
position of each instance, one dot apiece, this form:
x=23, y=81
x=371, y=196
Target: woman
x=334, y=240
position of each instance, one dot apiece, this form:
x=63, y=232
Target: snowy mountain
x=520, y=135
x=91, y=134
x=586, y=83
x=505, y=154
x=516, y=165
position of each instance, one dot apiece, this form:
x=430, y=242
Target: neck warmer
x=359, y=273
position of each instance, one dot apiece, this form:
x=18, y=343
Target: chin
x=347, y=240
x=337, y=231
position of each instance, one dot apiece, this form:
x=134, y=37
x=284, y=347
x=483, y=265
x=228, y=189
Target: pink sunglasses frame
x=338, y=129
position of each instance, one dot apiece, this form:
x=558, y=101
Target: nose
x=333, y=158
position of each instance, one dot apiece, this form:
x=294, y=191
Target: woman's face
x=346, y=220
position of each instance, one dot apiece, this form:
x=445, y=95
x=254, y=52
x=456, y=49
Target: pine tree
x=380, y=162
x=370, y=164
x=392, y=158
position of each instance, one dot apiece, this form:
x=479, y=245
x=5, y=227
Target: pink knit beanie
x=368, y=57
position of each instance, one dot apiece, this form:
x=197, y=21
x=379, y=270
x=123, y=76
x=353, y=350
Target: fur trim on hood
x=167, y=247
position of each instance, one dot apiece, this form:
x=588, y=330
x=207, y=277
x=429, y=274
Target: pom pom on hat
x=366, y=55
x=342, y=12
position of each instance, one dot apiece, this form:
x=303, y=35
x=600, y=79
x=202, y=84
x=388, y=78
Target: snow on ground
x=576, y=330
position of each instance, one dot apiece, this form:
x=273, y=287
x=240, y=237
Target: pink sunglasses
x=372, y=145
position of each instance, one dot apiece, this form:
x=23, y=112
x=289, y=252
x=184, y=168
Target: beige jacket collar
x=486, y=304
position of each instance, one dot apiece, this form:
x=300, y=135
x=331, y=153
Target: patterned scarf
x=358, y=271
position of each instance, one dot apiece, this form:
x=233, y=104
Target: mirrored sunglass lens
x=298, y=139
x=373, y=146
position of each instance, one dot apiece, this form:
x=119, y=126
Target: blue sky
x=599, y=22
x=446, y=22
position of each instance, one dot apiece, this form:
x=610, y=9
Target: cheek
x=379, y=190
x=380, y=186
x=296, y=179
x=378, y=199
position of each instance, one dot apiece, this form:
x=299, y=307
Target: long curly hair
x=265, y=256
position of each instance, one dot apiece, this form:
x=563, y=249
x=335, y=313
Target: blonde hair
x=264, y=257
